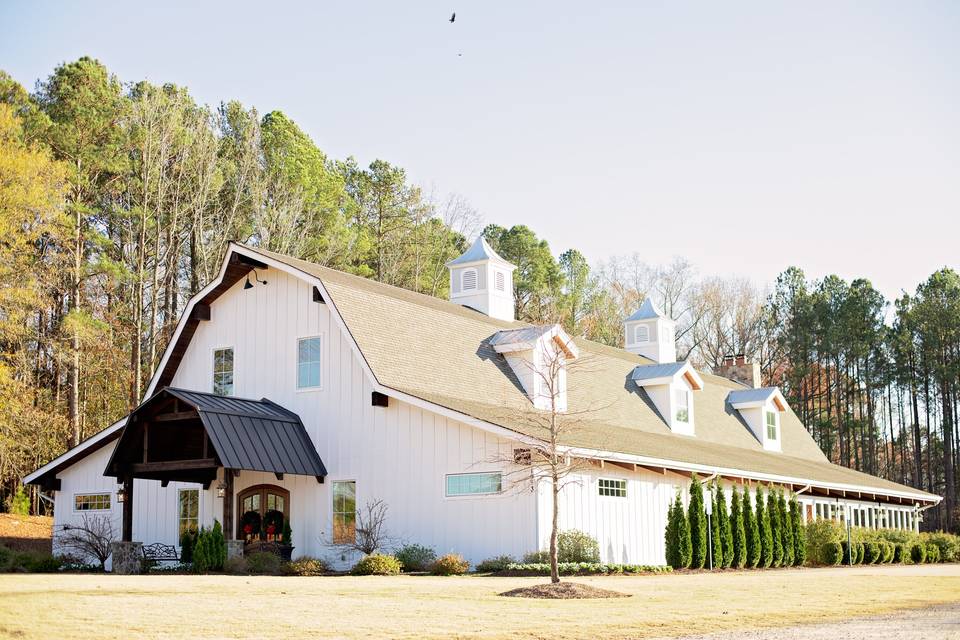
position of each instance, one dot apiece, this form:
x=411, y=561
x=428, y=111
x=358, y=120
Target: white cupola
x=651, y=334
x=482, y=280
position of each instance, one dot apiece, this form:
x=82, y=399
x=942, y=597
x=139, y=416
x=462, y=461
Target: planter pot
x=286, y=550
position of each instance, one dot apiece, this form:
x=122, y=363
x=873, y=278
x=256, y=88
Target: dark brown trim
x=173, y=465
x=318, y=297
x=128, y=509
x=228, y=504
x=378, y=399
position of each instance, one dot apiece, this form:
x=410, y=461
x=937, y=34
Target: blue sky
x=746, y=136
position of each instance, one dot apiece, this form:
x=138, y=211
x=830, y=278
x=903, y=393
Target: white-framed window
x=469, y=279
x=612, y=487
x=188, y=513
x=681, y=400
x=474, y=484
x=223, y=371
x=344, y=512
x=91, y=501
x=308, y=362
x=772, y=425
x=641, y=333
x=500, y=281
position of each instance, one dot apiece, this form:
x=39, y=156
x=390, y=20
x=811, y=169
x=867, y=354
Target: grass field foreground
x=175, y=606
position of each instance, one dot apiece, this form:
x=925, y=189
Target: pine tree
x=716, y=528
x=766, y=537
x=738, y=533
x=726, y=529
x=751, y=529
x=698, y=525
x=786, y=529
x=683, y=535
x=773, y=514
x=671, y=536
x=799, y=534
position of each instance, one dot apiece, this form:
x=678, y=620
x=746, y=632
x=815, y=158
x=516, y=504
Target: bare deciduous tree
x=370, y=532
x=91, y=539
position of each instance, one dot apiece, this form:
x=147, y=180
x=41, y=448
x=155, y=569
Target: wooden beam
x=173, y=465
x=629, y=466
x=279, y=476
x=252, y=262
x=228, y=504
x=175, y=416
x=378, y=399
x=319, y=479
x=127, y=535
x=661, y=470
x=200, y=312
x=318, y=297
x=164, y=483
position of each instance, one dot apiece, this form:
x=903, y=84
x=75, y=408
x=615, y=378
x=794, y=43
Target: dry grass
x=563, y=591
x=26, y=533
x=176, y=606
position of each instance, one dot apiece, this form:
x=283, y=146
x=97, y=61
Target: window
x=91, y=502
x=344, y=512
x=681, y=398
x=188, y=517
x=223, y=371
x=308, y=363
x=771, y=425
x=469, y=279
x=642, y=334
x=500, y=281
x=613, y=488
x=473, y=484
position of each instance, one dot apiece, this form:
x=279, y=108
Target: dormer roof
x=653, y=374
x=749, y=398
x=526, y=338
x=480, y=251
x=647, y=311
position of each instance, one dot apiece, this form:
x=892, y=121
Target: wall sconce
x=221, y=490
x=121, y=494
x=248, y=284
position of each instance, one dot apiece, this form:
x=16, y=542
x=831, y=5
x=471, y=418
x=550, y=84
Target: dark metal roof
x=253, y=435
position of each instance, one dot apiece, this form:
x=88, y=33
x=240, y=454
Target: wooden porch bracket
x=378, y=399
x=279, y=476
x=318, y=297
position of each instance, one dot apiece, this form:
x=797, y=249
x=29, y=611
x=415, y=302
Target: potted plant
x=286, y=542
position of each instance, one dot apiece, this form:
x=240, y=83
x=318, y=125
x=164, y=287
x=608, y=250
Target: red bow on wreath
x=248, y=529
x=271, y=529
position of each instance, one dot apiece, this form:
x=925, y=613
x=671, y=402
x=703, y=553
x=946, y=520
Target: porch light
x=121, y=493
x=248, y=284
x=221, y=490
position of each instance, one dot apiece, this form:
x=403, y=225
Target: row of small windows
x=865, y=516
x=469, y=280
x=309, y=360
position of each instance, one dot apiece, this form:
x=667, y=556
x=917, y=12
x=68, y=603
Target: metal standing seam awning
x=251, y=435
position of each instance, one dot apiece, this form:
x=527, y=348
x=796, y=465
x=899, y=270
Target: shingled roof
x=448, y=360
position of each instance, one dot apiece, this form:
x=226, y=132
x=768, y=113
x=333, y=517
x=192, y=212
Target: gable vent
x=470, y=279
x=499, y=281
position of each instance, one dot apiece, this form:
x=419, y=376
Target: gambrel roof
x=448, y=360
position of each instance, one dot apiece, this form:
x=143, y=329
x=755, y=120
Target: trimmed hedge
x=583, y=569
x=831, y=553
x=933, y=553
x=493, y=565
x=376, y=564
x=918, y=553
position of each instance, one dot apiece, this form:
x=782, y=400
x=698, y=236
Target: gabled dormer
x=482, y=280
x=761, y=410
x=539, y=357
x=650, y=333
x=671, y=387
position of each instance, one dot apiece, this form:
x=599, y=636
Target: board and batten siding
x=400, y=454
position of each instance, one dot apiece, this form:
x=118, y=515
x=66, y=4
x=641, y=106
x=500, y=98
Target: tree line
x=118, y=199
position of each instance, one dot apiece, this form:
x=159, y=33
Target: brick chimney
x=739, y=369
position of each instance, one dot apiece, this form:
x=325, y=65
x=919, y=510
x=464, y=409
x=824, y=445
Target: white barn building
x=311, y=392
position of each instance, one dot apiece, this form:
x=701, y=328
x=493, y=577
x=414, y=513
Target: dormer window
x=500, y=281
x=538, y=357
x=771, y=425
x=681, y=403
x=469, y=279
x=642, y=334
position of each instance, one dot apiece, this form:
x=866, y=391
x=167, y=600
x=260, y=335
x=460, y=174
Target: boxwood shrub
x=918, y=553
x=831, y=553
x=493, y=565
x=450, y=565
x=377, y=564
x=582, y=569
x=415, y=557
x=933, y=553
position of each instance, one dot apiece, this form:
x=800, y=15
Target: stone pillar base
x=234, y=549
x=127, y=557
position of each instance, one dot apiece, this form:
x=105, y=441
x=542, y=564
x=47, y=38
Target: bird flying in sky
x=453, y=17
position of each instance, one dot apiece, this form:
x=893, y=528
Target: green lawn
x=171, y=606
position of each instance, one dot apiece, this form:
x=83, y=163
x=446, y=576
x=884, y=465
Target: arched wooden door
x=262, y=511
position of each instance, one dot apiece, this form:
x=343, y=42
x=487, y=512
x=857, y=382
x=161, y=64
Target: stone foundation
x=234, y=549
x=127, y=557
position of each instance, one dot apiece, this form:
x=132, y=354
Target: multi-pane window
x=469, y=279
x=771, y=425
x=223, y=371
x=681, y=398
x=91, y=501
x=308, y=363
x=473, y=484
x=612, y=488
x=188, y=516
x=344, y=512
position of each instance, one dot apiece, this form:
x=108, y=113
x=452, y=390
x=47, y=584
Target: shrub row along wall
x=827, y=544
x=765, y=531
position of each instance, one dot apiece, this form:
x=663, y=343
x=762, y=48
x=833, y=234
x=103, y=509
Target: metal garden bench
x=159, y=552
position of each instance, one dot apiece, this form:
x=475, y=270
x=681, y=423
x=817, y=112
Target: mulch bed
x=26, y=533
x=563, y=591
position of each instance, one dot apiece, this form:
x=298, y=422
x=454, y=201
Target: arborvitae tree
x=799, y=534
x=766, y=536
x=698, y=525
x=786, y=530
x=751, y=529
x=716, y=532
x=677, y=535
x=738, y=538
x=726, y=530
x=773, y=514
